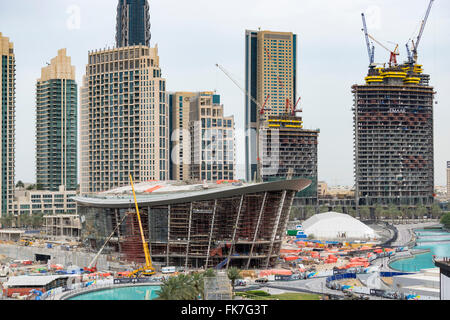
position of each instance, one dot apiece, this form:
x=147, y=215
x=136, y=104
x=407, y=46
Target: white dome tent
x=333, y=226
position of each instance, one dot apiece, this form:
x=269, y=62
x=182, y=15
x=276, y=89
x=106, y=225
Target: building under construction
x=288, y=149
x=393, y=137
x=193, y=226
x=393, y=130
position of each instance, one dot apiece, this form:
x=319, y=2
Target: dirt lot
x=352, y=282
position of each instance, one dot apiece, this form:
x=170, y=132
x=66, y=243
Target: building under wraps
x=393, y=137
x=194, y=226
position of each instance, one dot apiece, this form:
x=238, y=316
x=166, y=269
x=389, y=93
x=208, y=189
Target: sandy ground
x=330, y=266
x=388, y=281
x=352, y=282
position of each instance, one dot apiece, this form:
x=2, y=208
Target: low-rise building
x=44, y=202
x=63, y=226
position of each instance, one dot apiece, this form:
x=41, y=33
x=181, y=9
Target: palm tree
x=379, y=212
x=436, y=211
x=323, y=209
x=20, y=184
x=364, y=212
x=234, y=274
x=177, y=288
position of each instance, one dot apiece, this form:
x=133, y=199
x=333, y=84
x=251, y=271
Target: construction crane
x=148, y=269
x=294, y=109
x=370, y=50
x=413, y=54
x=394, y=54
x=92, y=267
x=261, y=108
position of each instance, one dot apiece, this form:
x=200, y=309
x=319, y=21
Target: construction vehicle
x=148, y=269
x=93, y=268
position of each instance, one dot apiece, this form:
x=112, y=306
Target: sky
x=192, y=36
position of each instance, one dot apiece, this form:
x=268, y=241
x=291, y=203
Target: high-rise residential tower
x=212, y=139
x=180, y=141
x=393, y=137
x=271, y=75
x=124, y=119
x=56, y=125
x=7, y=125
x=133, y=23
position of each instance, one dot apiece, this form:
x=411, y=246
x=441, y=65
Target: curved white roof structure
x=333, y=225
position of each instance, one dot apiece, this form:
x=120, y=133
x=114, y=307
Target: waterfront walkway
x=405, y=232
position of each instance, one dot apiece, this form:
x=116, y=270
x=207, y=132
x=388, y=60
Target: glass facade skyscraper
x=7, y=124
x=133, y=23
x=56, y=125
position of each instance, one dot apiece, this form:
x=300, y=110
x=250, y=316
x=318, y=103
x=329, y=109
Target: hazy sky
x=194, y=35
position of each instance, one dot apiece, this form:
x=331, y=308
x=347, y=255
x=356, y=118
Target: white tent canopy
x=333, y=225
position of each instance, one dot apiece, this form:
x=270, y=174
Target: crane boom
x=371, y=51
x=104, y=245
x=238, y=85
x=422, y=28
x=148, y=269
x=394, y=54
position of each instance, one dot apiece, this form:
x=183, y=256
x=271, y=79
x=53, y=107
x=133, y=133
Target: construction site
x=287, y=149
x=193, y=226
x=393, y=130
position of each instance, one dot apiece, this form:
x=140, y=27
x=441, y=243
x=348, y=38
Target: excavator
x=148, y=269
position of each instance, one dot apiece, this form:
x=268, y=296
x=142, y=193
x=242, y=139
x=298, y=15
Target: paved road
x=405, y=232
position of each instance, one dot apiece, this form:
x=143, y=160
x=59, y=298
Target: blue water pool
x=123, y=293
x=438, y=241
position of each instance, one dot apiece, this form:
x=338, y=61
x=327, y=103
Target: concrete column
x=189, y=235
x=211, y=233
x=257, y=228
x=235, y=230
x=275, y=227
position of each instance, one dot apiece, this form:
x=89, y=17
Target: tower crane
x=394, y=54
x=148, y=269
x=261, y=108
x=413, y=54
x=370, y=50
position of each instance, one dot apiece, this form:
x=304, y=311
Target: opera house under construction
x=193, y=226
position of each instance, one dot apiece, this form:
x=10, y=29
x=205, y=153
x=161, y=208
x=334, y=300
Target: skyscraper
x=124, y=119
x=393, y=137
x=212, y=139
x=271, y=75
x=133, y=23
x=7, y=125
x=56, y=125
x=180, y=109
